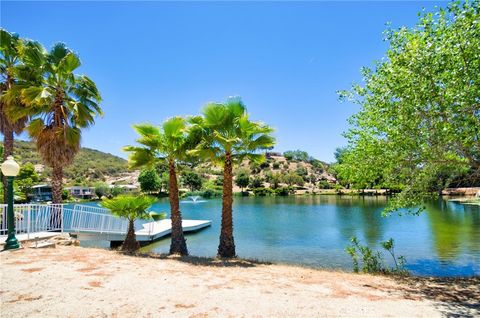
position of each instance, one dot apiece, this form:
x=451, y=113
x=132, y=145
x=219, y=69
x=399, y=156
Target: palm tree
x=130, y=207
x=10, y=65
x=64, y=103
x=168, y=143
x=228, y=137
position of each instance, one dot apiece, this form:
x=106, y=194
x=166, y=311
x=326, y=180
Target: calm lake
x=314, y=231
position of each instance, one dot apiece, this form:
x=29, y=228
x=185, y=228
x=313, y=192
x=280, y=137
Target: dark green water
x=314, y=231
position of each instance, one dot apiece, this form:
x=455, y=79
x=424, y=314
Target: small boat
x=157, y=216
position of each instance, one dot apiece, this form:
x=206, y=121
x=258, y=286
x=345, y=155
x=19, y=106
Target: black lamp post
x=10, y=170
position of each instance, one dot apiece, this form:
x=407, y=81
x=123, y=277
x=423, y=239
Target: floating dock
x=149, y=232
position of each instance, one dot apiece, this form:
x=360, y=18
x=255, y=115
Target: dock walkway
x=149, y=232
x=87, y=222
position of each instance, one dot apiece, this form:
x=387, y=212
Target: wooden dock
x=149, y=232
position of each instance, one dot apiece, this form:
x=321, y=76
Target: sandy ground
x=72, y=281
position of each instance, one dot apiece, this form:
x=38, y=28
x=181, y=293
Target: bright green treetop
x=168, y=142
x=226, y=128
x=130, y=207
x=419, y=123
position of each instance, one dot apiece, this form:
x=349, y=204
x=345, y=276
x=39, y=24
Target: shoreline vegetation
x=215, y=288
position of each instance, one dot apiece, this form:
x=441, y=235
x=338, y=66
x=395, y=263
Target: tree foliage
x=149, y=180
x=419, y=122
x=242, y=179
x=192, y=180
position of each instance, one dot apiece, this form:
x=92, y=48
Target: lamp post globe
x=10, y=167
x=10, y=170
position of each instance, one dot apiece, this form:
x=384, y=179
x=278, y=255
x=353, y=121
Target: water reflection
x=455, y=229
x=314, y=231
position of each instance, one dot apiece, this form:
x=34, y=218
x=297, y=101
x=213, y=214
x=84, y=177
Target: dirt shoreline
x=70, y=281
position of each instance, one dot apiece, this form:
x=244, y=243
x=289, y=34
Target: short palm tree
x=131, y=207
x=228, y=136
x=63, y=103
x=169, y=143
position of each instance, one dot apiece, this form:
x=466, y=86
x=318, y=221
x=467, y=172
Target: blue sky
x=153, y=60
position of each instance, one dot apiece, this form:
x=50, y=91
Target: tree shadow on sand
x=454, y=297
x=205, y=261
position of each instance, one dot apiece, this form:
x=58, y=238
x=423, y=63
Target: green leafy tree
x=149, y=180
x=228, y=137
x=63, y=103
x=292, y=178
x=101, y=190
x=130, y=207
x=274, y=178
x=192, y=180
x=168, y=143
x=296, y=155
x=256, y=182
x=242, y=179
x=420, y=110
x=27, y=177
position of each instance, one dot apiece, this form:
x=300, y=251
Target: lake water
x=314, y=231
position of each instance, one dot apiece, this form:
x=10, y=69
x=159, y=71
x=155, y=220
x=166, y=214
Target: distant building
x=126, y=187
x=81, y=192
x=41, y=193
x=271, y=154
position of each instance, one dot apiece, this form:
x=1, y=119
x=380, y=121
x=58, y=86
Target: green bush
x=256, y=182
x=262, y=192
x=324, y=184
x=372, y=261
x=284, y=191
x=276, y=165
x=66, y=195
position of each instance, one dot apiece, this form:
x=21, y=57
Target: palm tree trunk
x=57, y=180
x=178, y=244
x=226, y=247
x=130, y=244
x=7, y=130
x=7, y=151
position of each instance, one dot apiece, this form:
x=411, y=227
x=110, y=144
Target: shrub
x=372, y=261
x=256, y=182
x=242, y=179
x=149, y=180
x=264, y=165
x=276, y=165
x=66, y=195
x=261, y=192
x=284, y=191
x=324, y=184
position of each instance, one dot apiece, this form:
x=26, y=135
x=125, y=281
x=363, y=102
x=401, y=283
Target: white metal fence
x=31, y=218
x=94, y=219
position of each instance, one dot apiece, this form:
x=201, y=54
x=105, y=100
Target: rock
x=44, y=245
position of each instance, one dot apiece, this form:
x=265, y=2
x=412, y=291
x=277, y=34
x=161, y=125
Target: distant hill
x=92, y=165
x=89, y=164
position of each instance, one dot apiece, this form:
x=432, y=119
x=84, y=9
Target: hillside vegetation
x=90, y=165
x=292, y=171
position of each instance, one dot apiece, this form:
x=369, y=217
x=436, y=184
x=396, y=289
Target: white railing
x=94, y=219
x=31, y=218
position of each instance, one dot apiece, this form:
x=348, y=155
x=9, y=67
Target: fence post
x=62, y=221
x=29, y=210
x=103, y=221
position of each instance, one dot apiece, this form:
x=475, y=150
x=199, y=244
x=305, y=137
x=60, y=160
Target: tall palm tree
x=169, y=143
x=64, y=103
x=228, y=137
x=10, y=63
